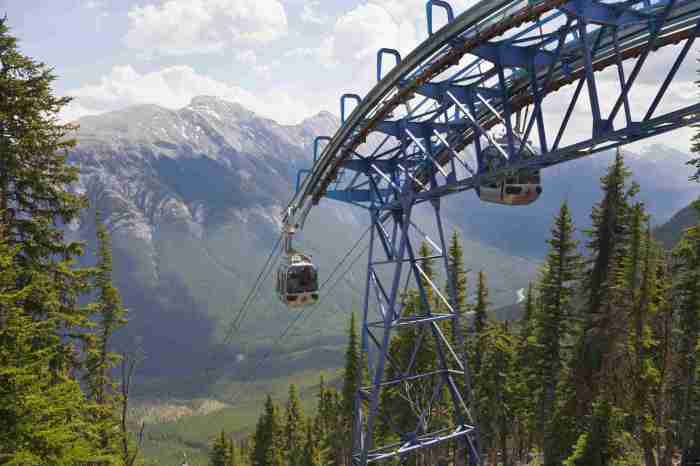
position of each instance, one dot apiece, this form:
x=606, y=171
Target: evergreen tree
x=647, y=370
x=604, y=334
x=312, y=453
x=33, y=168
x=41, y=406
x=495, y=393
x=109, y=314
x=221, y=451
x=351, y=375
x=327, y=425
x=322, y=420
x=243, y=452
x=267, y=449
x=663, y=359
x=687, y=256
x=233, y=458
x=293, y=428
x=599, y=445
x=529, y=313
x=554, y=322
x=480, y=320
x=44, y=413
x=527, y=377
x=458, y=276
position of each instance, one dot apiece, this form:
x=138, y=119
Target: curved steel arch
x=518, y=55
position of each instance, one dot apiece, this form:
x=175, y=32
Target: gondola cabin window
x=302, y=279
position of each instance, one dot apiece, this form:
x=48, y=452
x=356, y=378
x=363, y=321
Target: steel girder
x=419, y=135
x=436, y=114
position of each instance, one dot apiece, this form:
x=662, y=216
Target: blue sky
x=284, y=59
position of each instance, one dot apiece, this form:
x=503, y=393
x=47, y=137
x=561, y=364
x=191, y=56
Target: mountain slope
x=671, y=232
x=193, y=199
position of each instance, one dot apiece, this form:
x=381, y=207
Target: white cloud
x=182, y=27
x=323, y=54
x=355, y=39
x=310, y=13
x=175, y=86
x=247, y=57
x=358, y=34
x=414, y=11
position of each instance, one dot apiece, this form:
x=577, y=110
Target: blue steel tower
x=527, y=70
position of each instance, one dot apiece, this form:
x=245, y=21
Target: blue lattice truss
x=420, y=134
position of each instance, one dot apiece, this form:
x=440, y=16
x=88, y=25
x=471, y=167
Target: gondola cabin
x=518, y=188
x=297, y=281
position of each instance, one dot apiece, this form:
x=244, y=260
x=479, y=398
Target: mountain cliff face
x=193, y=199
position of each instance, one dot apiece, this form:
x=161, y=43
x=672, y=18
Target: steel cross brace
x=419, y=390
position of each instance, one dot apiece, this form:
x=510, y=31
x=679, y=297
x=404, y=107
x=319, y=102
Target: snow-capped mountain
x=192, y=199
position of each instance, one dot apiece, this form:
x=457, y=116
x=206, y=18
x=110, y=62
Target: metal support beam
x=395, y=315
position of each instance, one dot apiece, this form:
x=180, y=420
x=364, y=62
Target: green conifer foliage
x=481, y=308
x=351, y=375
x=604, y=335
x=221, y=451
x=527, y=378
x=695, y=148
x=312, y=452
x=41, y=405
x=604, y=443
x=647, y=370
x=45, y=418
x=232, y=456
x=555, y=322
x=687, y=256
x=328, y=429
x=267, y=450
x=33, y=169
x=108, y=314
x=457, y=272
x=293, y=428
x=495, y=394
x=662, y=358
x=458, y=277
